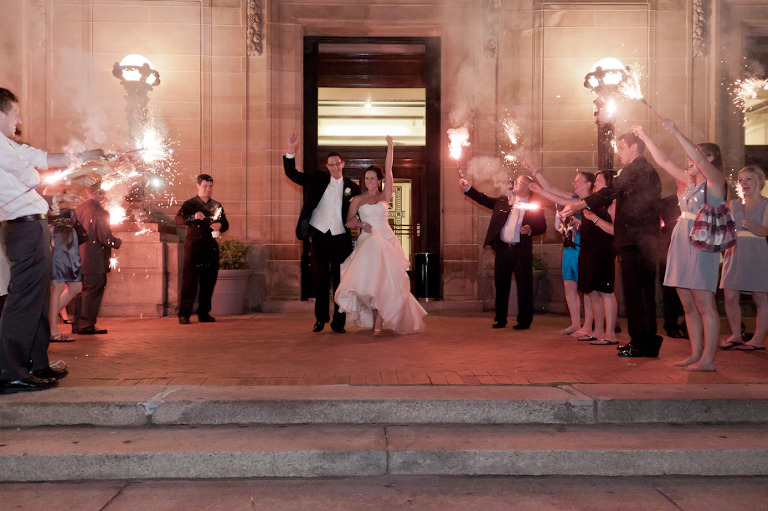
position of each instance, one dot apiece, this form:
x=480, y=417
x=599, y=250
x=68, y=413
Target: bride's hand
x=367, y=227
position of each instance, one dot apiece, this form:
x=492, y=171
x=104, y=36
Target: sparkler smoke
x=490, y=168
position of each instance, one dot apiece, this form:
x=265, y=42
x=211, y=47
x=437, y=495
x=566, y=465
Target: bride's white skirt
x=374, y=277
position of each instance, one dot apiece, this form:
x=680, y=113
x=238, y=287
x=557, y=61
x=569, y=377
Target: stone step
x=389, y=405
x=79, y=453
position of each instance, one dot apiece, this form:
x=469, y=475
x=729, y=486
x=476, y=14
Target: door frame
x=429, y=197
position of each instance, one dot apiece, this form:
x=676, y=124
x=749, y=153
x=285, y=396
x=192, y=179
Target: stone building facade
x=234, y=86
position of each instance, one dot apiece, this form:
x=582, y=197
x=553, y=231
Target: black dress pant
x=327, y=254
x=88, y=302
x=638, y=272
x=24, y=328
x=518, y=260
x=199, y=275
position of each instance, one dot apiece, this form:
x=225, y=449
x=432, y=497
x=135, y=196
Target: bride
x=374, y=288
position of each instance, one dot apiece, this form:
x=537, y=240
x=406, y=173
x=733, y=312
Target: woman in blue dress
x=582, y=187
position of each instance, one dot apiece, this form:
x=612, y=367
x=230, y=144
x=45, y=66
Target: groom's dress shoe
x=499, y=324
x=28, y=384
x=206, y=318
x=318, y=326
x=338, y=329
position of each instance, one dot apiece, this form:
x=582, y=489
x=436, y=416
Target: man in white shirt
x=510, y=232
x=323, y=214
x=24, y=327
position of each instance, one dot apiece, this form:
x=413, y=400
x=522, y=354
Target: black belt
x=25, y=218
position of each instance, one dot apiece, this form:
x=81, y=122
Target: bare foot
x=688, y=361
x=701, y=367
x=730, y=342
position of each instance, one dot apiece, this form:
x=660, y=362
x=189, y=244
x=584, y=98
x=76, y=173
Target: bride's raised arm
x=389, y=184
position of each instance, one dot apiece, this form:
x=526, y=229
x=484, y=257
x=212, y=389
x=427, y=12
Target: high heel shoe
x=377, y=332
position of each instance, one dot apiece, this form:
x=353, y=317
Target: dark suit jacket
x=198, y=238
x=314, y=185
x=637, y=190
x=95, y=252
x=501, y=210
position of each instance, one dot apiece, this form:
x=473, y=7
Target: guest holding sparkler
x=24, y=328
x=67, y=264
x=95, y=254
x=375, y=289
x=597, y=263
x=692, y=271
x=514, y=222
x=205, y=219
x=750, y=211
x=637, y=191
x=582, y=186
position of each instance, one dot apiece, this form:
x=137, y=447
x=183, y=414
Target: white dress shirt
x=19, y=178
x=327, y=214
x=511, y=231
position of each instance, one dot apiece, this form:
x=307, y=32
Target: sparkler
x=458, y=138
x=745, y=89
x=526, y=206
x=510, y=134
x=630, y=87
x=742, y=199
x=113, y=262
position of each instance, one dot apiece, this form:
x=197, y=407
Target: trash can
x=427, y=276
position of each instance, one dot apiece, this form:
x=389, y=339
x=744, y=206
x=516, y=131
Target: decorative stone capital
x=699, y=25
x=255, y=27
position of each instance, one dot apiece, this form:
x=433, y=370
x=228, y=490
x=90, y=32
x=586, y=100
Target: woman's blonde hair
x=758, y=173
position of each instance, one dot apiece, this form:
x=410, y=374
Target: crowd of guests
x=606, y=215
x=621, y=216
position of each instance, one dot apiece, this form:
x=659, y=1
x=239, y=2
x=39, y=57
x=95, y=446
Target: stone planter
x=229, y=294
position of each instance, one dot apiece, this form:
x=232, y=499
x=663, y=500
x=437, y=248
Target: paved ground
x=456, y=349
x=397, y=493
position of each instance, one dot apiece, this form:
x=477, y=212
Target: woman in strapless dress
x=374, y=289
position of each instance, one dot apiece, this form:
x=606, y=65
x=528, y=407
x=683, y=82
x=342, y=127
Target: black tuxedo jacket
x=501, y=210
x=637, y=190
x=314, y=185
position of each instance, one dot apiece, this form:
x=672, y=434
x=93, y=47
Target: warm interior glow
x=354, y=116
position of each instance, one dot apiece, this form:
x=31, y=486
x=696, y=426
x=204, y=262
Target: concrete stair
x=125, y=433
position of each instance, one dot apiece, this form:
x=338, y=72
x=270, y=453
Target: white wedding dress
x=374, y=277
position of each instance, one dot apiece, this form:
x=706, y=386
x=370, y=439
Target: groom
x=326, y=202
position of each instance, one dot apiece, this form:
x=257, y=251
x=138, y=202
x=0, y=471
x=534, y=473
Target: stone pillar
x=146, y=280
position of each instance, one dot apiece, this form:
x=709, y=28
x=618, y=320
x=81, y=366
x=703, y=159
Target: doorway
x=358, y=90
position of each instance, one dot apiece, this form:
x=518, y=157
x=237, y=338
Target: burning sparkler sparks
x=745, y=89
x=630, y=88
x=113, y=262
x=117, y=214
x=510, y=141
x=457, y=139
x=526, y=206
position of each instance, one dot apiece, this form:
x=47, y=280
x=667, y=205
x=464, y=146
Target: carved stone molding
x=492, y=27
x=699, y=25
x=255, y=27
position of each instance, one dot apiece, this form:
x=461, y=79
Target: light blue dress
x=744, y=264
x=687, y=266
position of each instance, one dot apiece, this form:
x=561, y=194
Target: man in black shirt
x=205, y=219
